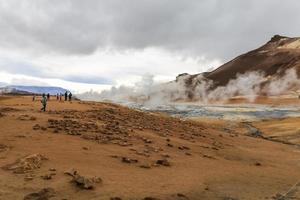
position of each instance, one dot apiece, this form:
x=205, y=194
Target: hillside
x=273, y=59
x=273, y=68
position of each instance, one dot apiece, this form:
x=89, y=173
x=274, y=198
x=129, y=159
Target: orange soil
x=209, y=159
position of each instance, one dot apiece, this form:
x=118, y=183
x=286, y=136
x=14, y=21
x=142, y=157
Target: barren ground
x=139, y=155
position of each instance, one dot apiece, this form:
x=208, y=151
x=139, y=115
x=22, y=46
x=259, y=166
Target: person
x=33, y=97
x=60, y=96
x=48, y=97
x=44, y=102
x=57, y=97
x=70, y=96
x=66, y=95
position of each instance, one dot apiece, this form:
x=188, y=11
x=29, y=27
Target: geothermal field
x=198, y=137
x=89, y=150
x=149, y=100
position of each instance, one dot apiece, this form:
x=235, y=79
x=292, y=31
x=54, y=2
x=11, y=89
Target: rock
x=26, y=164
x=32, y=118
x=71, y=172
x=181, y=196
x=28, y=177
x=129, y=160
x=165, y=155
x=36, y=127
x=169, y=145
x=115, y=198
x=86, y=182
x=1, y=115
x=163, y=162
x=82, y=181
x=257, y=164
x=3, y=148
x=52, y=169
x=43, y=194
x=46, y=177
x=145, y=166
x=150, y=198
x=85, y=148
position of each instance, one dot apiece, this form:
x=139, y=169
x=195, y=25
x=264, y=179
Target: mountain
x=18, y=89
x=273, y=61
x=273, y=58
x=2, y=84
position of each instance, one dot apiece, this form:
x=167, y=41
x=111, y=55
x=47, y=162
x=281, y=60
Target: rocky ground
x=85, y=150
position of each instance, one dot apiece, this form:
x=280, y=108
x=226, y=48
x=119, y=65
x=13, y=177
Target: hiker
x=66, y=96
x=33, y=97
x=44, y=102
x=57, y=97
x=48, y=97
x=70, y=96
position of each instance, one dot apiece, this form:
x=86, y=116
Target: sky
x=94, y=44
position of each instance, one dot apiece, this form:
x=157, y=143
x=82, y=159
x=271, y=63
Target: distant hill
x=17, y=89
x=3, y=84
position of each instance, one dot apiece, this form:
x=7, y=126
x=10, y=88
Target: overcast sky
x=97, y=43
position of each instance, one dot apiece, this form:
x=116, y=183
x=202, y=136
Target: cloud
x=25, y=68
x=215, y=28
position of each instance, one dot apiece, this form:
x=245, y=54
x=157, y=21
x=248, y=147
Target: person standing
x=33, y=97
x=44, y=102
x=48, y=97
x=57, y=97
x=66, y=96
x=60, y=96
x=70, y=96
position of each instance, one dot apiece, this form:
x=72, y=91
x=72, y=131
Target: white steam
x=198, y=88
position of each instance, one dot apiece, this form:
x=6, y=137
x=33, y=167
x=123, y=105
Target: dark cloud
x=215, y=28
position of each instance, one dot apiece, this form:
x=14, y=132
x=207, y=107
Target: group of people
x=46, y=98
x=67, y=96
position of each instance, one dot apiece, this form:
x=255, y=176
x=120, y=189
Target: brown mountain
x=272, y=59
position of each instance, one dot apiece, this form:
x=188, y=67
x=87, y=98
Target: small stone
x=36, y=127
x=163, y=162
x=257, y=164
x=145, y=166
x=28, y=178
x=115, y=198
x=71, y=172
x=43, y=194
x=169, y=145
x=47, y=177
x=128, y=160
x=150, y=198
